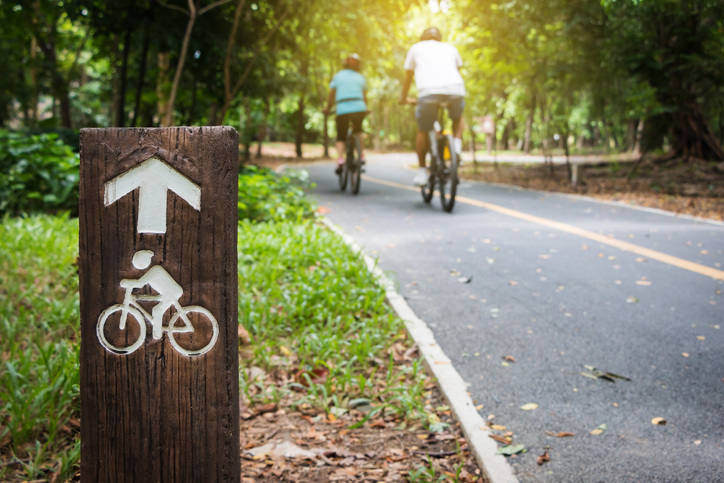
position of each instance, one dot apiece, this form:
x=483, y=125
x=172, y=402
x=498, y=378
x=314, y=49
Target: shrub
x=38, y=173
x=268, y=196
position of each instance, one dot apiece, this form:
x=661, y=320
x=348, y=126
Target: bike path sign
x=158, y=292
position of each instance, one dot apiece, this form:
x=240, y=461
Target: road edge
x=495, y=467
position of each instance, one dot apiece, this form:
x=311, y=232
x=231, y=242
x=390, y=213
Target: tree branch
x=174, y=7
x=213, y=5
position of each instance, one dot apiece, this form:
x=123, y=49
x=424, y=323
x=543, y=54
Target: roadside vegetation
x=318, y=343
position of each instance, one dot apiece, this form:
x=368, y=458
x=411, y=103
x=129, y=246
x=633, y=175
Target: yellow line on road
x=606, y=240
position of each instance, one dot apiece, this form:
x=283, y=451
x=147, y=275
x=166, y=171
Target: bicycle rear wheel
x=429, y=189
x=447, y=172
x=343, y=177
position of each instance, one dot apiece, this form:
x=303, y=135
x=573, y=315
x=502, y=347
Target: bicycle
x=442, y=160
x=352, y=167
x=127, y=339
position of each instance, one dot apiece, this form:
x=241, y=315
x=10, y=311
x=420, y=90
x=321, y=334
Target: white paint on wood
x=153, y=178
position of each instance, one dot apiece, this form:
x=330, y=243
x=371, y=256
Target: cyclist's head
x=431, y=33
x=142, y=259
x=353, y=62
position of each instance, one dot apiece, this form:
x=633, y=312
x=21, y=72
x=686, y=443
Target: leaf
x=501, y=439
x=544, y=458
x=658, y=421
x=465, y=279
x=600, y=429
x=529, y=407
x=561, y=434
x=511, y=449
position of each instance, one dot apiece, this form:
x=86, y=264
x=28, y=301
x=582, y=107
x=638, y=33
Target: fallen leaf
x=658, y=421
x=244, y=336
x=544, y=458
x=509, y=358
x=323, y=210
x=379, y=423
x=631, y=300
x=465, y=279
x=497, y=427
x=561, y=434
x=600, y=429
x=511, y=449
x=500, y=439
x=529, y=407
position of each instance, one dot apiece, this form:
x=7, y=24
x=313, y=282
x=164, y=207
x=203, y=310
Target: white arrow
x=154, y=178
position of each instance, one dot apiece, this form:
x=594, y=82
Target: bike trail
x=527, y=291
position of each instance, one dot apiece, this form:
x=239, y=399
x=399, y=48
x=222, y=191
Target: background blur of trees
x=597, y=75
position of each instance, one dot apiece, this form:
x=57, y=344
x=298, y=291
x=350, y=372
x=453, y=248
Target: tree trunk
x=141, y=77
x=694, y=137
x=264, y=126
x=164, y=62
x=299, y=136
x=121, y=99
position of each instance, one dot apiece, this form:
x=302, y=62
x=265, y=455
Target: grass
x=39, y=313
x=317, y=315
x=313, y=311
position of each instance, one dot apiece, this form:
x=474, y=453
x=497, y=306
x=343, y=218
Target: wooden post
x=159, y=364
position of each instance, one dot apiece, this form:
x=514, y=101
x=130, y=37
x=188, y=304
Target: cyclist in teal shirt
x=348, y=90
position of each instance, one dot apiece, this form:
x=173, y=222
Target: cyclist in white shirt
x=435, y=67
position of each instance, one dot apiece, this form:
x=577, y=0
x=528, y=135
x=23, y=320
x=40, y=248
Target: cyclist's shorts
x=343, y=121
x=426, y=112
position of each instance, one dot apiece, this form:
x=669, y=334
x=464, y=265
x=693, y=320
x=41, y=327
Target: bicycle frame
x=130, y=300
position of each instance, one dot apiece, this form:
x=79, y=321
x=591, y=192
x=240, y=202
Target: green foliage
x=268, y=196
x=39, y=320
x=38, y=173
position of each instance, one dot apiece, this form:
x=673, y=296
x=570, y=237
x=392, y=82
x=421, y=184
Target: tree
x=678, y=49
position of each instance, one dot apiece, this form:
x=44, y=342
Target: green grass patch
x=322, y=337
x=39, y=320
x=322, y=334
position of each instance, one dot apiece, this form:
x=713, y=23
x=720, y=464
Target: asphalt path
x=527, y=291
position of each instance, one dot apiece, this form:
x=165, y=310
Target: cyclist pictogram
x=192, y=330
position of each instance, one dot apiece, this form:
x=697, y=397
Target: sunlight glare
x=437, y=6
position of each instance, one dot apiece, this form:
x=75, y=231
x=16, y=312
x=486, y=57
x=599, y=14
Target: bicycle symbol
x=192, y=330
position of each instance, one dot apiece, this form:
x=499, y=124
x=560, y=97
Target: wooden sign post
x=159, y=364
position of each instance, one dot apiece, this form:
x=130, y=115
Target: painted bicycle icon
x=192, y=330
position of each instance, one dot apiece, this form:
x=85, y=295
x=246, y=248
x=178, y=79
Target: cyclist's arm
x=330, y=99
x=409, y=74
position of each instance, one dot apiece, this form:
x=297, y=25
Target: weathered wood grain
x=155, y=415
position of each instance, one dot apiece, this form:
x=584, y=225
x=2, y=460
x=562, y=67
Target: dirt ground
x=694, y=188
x=308, y=446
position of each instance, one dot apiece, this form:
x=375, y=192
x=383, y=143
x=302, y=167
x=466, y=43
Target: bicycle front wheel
x=118, y=335
x=447, y=172
x=193, y=330
x=355, y=172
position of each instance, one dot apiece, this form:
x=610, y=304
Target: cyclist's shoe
x=458, y=146
x=338, y=169
x=421, y=178
x=362, y=163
